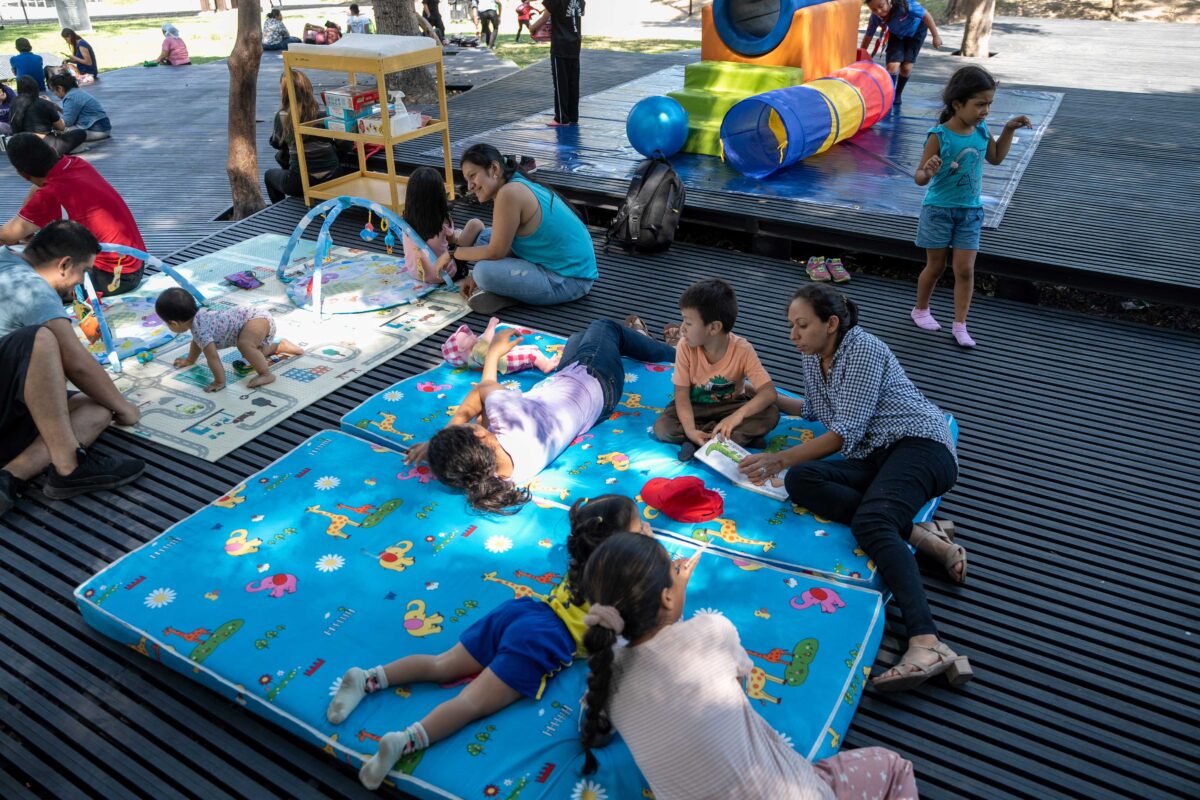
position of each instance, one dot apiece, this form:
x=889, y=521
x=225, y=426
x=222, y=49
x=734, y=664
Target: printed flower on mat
x=330, y=562
x=498, y=544
x=630, y=377
x=783, y=737
x=589, y=790
x=713, y=611
x=160, y=597
x=393, y=396
x=337, y=684
x=491, y=790
x=326, y=482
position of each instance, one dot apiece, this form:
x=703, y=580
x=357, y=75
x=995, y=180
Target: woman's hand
x=417, y=454
x=761, y=467
x=467, y=287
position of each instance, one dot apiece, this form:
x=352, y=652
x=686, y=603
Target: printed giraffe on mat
x=336, y=522
x=756, y=683
x=728, y=533
x=518, y=590
x=388, y=426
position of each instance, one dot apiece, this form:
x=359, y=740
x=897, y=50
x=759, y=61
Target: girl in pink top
x=174, y=51
x=663, y=676
x=427, y=210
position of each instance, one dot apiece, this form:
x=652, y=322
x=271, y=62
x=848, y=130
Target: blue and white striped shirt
x=868, y=400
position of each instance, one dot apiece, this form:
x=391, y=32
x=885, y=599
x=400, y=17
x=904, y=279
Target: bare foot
x=672, y=333
x=288, y=347
x=261, y=380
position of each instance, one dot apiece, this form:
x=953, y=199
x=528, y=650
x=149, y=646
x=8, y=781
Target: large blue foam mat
x=871, y=172
x=621, y=455
x=331, y=558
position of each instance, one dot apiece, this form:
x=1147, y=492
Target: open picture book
x=724, y=456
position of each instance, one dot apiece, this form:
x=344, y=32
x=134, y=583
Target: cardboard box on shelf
x=400, y=122
x=350, y=98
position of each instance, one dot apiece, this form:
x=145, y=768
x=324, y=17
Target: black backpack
x=647, y=220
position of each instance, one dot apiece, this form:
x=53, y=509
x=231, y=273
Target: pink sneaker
x=961, y=336
x=837, y=270
x=924, y=319
x=816, y=269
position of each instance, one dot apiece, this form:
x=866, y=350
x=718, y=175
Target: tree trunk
x=400, y=18
x=977, y=30
x=954, y=10
x=242, y=164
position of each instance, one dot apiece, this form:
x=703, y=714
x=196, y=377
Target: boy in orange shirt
x=711, y=367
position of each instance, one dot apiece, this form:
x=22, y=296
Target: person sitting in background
x=80, y=111
x=70, y=187
x=32, y=113
x=358, y=23
x=7, y=98
x=320, y=155
x=174, y=51
x=27, y=62
x=275, y=34
x=82, y=55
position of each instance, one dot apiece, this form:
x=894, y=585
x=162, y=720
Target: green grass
x=129, y=42
x=526, y=52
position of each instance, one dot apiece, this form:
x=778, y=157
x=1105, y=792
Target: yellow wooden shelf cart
x=379, y=56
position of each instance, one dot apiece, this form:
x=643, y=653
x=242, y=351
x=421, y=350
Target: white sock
x=356, y=684
x=391, y=747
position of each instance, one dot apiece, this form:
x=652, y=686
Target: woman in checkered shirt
x=898, y=455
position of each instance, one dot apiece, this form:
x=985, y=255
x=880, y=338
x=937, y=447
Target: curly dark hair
x=592, y=522
x=461, y=461
x=629, y=572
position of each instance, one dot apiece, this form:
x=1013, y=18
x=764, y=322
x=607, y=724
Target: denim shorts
x=949, y=227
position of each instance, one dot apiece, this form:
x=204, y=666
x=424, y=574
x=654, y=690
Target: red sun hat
x=683, y=499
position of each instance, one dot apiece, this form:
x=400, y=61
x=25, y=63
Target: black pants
x=565, y=72
x=434, y=18
x=878, y=496
x=66, y=141
x=523, y=24
x=129, y=281
x=17, y=430
x=489, y=25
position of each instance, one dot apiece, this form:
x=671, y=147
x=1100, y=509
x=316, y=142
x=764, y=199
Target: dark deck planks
x=1080, y=592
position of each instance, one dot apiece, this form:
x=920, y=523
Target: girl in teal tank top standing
x=536, y=252
x=952, y=215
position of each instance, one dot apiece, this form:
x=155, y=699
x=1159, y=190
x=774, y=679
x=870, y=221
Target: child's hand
x=698, y=437
x=725, y=428
x=937, y=42
x=417, y=453
x=467, y=287
x=932, y=166
x=180, y=363
x=504, y=341
x=215, y=386
x=1019, y=121
x=442, y=263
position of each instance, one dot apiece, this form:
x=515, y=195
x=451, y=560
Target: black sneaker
x=10, y=488
x=96, y=471
x=687, y=451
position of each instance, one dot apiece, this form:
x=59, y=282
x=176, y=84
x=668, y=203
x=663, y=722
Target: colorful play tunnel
x=770, y=131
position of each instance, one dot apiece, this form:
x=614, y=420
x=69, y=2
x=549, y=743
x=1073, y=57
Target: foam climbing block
x=337, y=555
x=711, y=88
x=819, y=38
x=621, y=455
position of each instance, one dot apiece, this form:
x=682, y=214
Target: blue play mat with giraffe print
x=621, y=455
x=340, y=555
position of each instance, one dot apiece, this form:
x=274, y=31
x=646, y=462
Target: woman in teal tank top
x=536, y=252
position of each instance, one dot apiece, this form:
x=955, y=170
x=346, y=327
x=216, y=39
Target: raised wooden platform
x=1077, y=502
x=1108, y=201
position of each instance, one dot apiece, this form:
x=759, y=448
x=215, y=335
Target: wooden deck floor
x=1108, y=201
x=1077, y=503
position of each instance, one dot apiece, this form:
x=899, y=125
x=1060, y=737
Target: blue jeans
x=525, y=281
x=282, y=45
x=878, y=496
x=958, y=228
x=600, y=348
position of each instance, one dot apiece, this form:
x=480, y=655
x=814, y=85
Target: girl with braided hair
x=515, y=650
x=653, y=677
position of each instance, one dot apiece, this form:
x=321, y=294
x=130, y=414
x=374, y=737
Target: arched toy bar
x=770, y=131
x=332, y=209
x=85, y=295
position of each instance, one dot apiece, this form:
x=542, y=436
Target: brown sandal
x=925, y=536
x=910, y=675
x=635, y=322
x=672, y=333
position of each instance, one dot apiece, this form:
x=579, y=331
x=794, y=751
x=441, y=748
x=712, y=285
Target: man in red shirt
x=71, y=188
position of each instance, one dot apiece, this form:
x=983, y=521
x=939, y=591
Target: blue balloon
x=657, y=124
